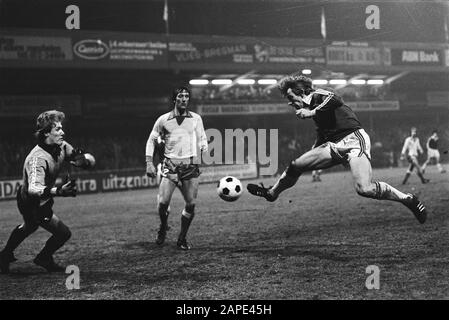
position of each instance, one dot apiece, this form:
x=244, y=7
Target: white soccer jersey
x=183, y=135
x=412, y=147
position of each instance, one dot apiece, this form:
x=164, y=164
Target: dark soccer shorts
x=179, y=170
x=32, y=212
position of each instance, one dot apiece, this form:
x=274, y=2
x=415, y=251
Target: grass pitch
x=315, y=242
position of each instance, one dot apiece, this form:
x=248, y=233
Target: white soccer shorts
x=433, y=153
x=354, y=145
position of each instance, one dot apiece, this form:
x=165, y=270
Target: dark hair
x=298, y=82
x=435, y=131
x=46, y=121
x=177, y=91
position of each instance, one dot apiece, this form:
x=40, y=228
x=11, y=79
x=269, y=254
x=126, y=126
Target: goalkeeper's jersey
x=41, y=169
x=183, y=136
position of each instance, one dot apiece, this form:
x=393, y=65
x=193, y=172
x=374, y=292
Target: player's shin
x=158, y=197
x=424, y=166
x=163, y=213
x=287, y=180
x=383, y=191
x=20, y=233
x=186, y=219
x=420, y=175
x=407, y=175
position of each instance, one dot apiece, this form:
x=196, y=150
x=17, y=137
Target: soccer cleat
x=418, y=209
x=161, y=234
x=260, y=191
x=424, y=181
x=182, y=244
x=48, y=263
x=5, y=260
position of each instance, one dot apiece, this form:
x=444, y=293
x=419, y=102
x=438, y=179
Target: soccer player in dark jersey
x=341, y=140
x=35, y=195
x=433, y=153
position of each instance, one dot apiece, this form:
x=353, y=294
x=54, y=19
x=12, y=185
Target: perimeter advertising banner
x=243, y=108
x=30, y=105
x=133, y=179
x=277, y=108
x=417, y=57
x=235, y=51
x=120, y=50
x=392, y=105
x=35, y=48
x=104, y=49
x=438, y=99
x=362, y=55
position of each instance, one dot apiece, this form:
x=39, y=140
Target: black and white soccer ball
x=229, y=188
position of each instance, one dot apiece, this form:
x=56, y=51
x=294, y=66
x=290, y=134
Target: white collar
x=308, y=99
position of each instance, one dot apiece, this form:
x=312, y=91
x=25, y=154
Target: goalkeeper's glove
x=67, y=190
x=82, y=160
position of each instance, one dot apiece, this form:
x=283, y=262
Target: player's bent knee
x=365, y=190
x=67, y=235
x=190, y=207
x=163, y=206
x=64, y=232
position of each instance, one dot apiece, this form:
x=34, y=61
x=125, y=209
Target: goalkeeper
x=35, y=195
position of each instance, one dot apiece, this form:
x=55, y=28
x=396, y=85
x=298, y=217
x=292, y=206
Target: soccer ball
x=90, y=160
x=229, y=188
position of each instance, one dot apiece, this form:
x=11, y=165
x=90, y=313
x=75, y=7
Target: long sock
x=386, y=192
x=285, y=181
x=158, y=201
x=186, y=219
x=407, y=175
x=163, y=213
x=17, y=236
x=420, y=175
x=424, y=166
